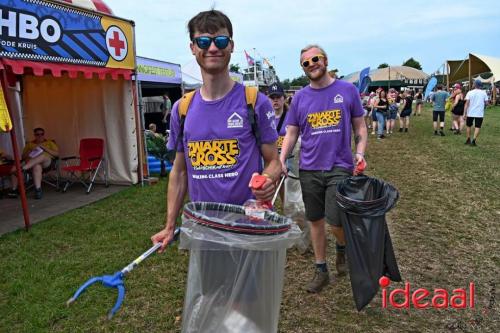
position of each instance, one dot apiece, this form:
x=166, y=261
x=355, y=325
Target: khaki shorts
x=318, y=192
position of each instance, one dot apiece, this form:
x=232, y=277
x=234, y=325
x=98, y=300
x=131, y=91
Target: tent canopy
x=477, y=64
x=68, y=69
x=61, y=38
x=401, y=74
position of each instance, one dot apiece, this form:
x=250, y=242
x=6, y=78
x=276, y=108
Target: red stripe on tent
x=98, y=4
x=20, y=67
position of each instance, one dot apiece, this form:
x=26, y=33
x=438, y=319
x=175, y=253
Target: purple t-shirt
x=324, y=118
x=221, y=151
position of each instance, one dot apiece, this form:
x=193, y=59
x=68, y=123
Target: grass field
x=445, y=231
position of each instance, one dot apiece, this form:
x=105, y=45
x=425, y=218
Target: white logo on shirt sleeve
x=235, y=121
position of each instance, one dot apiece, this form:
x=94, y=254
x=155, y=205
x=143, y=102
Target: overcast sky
x=355, y=34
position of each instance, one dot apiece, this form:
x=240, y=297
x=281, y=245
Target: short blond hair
x=313, y=46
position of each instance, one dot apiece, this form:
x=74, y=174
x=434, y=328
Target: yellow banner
x=5, y=122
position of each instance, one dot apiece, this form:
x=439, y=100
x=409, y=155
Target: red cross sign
x=116, y=41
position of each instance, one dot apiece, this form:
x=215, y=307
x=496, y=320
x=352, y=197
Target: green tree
x=286, y=84
x=412, y=63
x=383, y=65
x=300, y=81
x=235, y=68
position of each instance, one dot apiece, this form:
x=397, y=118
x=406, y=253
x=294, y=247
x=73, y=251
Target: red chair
x=91, y=160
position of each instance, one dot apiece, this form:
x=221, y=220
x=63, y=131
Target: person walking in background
x=404, y=117
x=419, y=101
x=475, y=103
x=439, y=100
x=276, y=96
x=381, y=107
x=393, y=107
x=325, y=114
x=457, y=110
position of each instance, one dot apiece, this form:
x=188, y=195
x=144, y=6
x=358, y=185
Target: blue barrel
x=154, y=165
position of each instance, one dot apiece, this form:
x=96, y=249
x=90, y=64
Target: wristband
x=361, y=154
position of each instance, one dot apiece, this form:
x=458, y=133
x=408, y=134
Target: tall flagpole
x=255, y=68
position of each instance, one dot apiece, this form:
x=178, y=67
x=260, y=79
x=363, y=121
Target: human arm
x=272, y=170
x=360, y=138
x=177, y=188
x=291, y=136
x=50, y=147
x=466, y=108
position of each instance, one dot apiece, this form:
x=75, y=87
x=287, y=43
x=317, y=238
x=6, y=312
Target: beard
x=317, y=75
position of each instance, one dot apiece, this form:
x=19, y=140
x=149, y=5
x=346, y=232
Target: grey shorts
x=318, y=192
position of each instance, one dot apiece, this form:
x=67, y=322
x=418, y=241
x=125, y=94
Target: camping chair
x=50, y=175
x=91, y=160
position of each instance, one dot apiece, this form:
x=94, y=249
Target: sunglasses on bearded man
x=314, y=59
x=204, y=42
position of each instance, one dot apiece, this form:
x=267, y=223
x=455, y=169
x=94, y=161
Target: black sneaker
x=441, y=133
x=400, y=130
x=436, y=133
x=473, y=143
x=406, y=130
x=13, y=193
x=38, y=193
x=467, y=142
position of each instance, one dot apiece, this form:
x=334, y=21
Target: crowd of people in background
x=382, y=108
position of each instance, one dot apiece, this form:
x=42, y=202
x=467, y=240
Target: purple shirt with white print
x=219, y=146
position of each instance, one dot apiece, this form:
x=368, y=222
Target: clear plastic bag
x=235, y=280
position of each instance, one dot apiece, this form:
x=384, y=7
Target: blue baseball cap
x=478, y=83
x=275, y=89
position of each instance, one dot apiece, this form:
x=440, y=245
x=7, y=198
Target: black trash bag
x=364, y=202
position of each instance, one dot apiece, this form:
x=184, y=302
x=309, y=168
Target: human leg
x=313, y=194
x=469, y=122
x=381, y=123
x=334, y=216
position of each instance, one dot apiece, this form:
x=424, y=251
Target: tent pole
x=447, y=75
x=138, y=122
x=139, y=133
x=470, y=74
x=17, y=160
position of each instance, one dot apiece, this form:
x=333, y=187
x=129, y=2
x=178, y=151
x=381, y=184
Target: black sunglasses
x=306, y=63
x=204, y=42
x=39, y=134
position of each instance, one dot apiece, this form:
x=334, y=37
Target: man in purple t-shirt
x=218, y=154
x=324, y=113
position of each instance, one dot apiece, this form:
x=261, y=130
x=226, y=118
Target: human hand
x=284, y=168
x=360, y=164
x=262, y=186
x=165, y=236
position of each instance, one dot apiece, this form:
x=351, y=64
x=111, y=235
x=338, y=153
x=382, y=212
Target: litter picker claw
x=116, y=280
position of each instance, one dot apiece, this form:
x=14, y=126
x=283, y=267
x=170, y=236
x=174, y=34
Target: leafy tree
x=235, y=68
x=412, y=63
x=300, y=81
x=384, y=65
x=286, y=84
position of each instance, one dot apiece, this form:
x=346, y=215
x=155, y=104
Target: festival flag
x=250, y=60
x=267, y=62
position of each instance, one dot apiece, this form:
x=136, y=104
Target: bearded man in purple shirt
x=324, y=113
x=217, y=155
